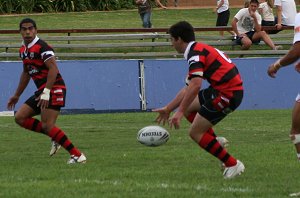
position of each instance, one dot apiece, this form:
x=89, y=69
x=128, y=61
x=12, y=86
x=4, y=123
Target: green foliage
x=109, y=5
x=7, y=6
x=69, y=5
x=119, y=166
x=43, y=6
x=38, y=6
x=127, y=4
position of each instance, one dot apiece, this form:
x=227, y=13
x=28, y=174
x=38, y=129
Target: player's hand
x=175, y=120
x=272, y=71
x=163, y=115
x=297, y=67
x=44, y=99
x=12, y=102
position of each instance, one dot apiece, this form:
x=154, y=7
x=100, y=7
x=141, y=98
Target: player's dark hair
x=184, y=30
x=254, y=1
x=27, y=20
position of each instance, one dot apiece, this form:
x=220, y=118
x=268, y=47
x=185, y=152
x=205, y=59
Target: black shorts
x=56, y=101
x=215, y=106
x=223, y=18
x=249, y=35
x=267, y=23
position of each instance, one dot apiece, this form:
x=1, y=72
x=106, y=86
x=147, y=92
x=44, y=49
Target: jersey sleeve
x=46, y=52
x=196, y=64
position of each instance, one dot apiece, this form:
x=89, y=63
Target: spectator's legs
x=146, y=18
x=265, y=37
x=246, y=43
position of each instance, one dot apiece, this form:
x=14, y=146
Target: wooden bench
x=120, y=42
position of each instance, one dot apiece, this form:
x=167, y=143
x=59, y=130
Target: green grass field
x=119, y=166
x=113, y=19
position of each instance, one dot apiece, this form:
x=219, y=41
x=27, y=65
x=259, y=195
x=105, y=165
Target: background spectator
x=286, y=13
x=247, y=25
x=145, y=9
x=265, y=9
x=223, y=12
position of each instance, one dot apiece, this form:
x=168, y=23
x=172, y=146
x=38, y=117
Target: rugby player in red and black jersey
x=39, y=64
x=212, y=104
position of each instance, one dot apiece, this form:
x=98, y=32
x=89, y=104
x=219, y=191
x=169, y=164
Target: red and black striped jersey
x=213, y=65
x=34, y=57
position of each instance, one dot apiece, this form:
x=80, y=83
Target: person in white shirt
x=292, y=57
x=265, y=9
x=247, y=25
x=223, y=12
x=286, y=12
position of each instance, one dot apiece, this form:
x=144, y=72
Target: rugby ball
x=153, y=136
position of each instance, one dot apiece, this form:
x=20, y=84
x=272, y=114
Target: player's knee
x=19, y=119
x=247, y=44
x=262, y=33
x=195, y=135
x=192, y=135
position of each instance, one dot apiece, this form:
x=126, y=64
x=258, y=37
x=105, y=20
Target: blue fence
x=114, y=85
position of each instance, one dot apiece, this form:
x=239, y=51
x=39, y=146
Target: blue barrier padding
x=114, y=85
x=102, y=85
x=98, y=85
x=166, y=77
x=264, y=92
x=9, y=78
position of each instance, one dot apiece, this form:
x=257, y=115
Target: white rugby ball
x=153, y=136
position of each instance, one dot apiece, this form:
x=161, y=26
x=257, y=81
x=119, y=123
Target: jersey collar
x=187, y=50
x=32, y=42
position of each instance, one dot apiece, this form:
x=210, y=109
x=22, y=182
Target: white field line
x=165, y=185
x=295, y=194
x=233, y=189
x=7, y=113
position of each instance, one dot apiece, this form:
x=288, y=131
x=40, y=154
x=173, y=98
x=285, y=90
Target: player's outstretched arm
x=164, y=112
x=291, y=57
